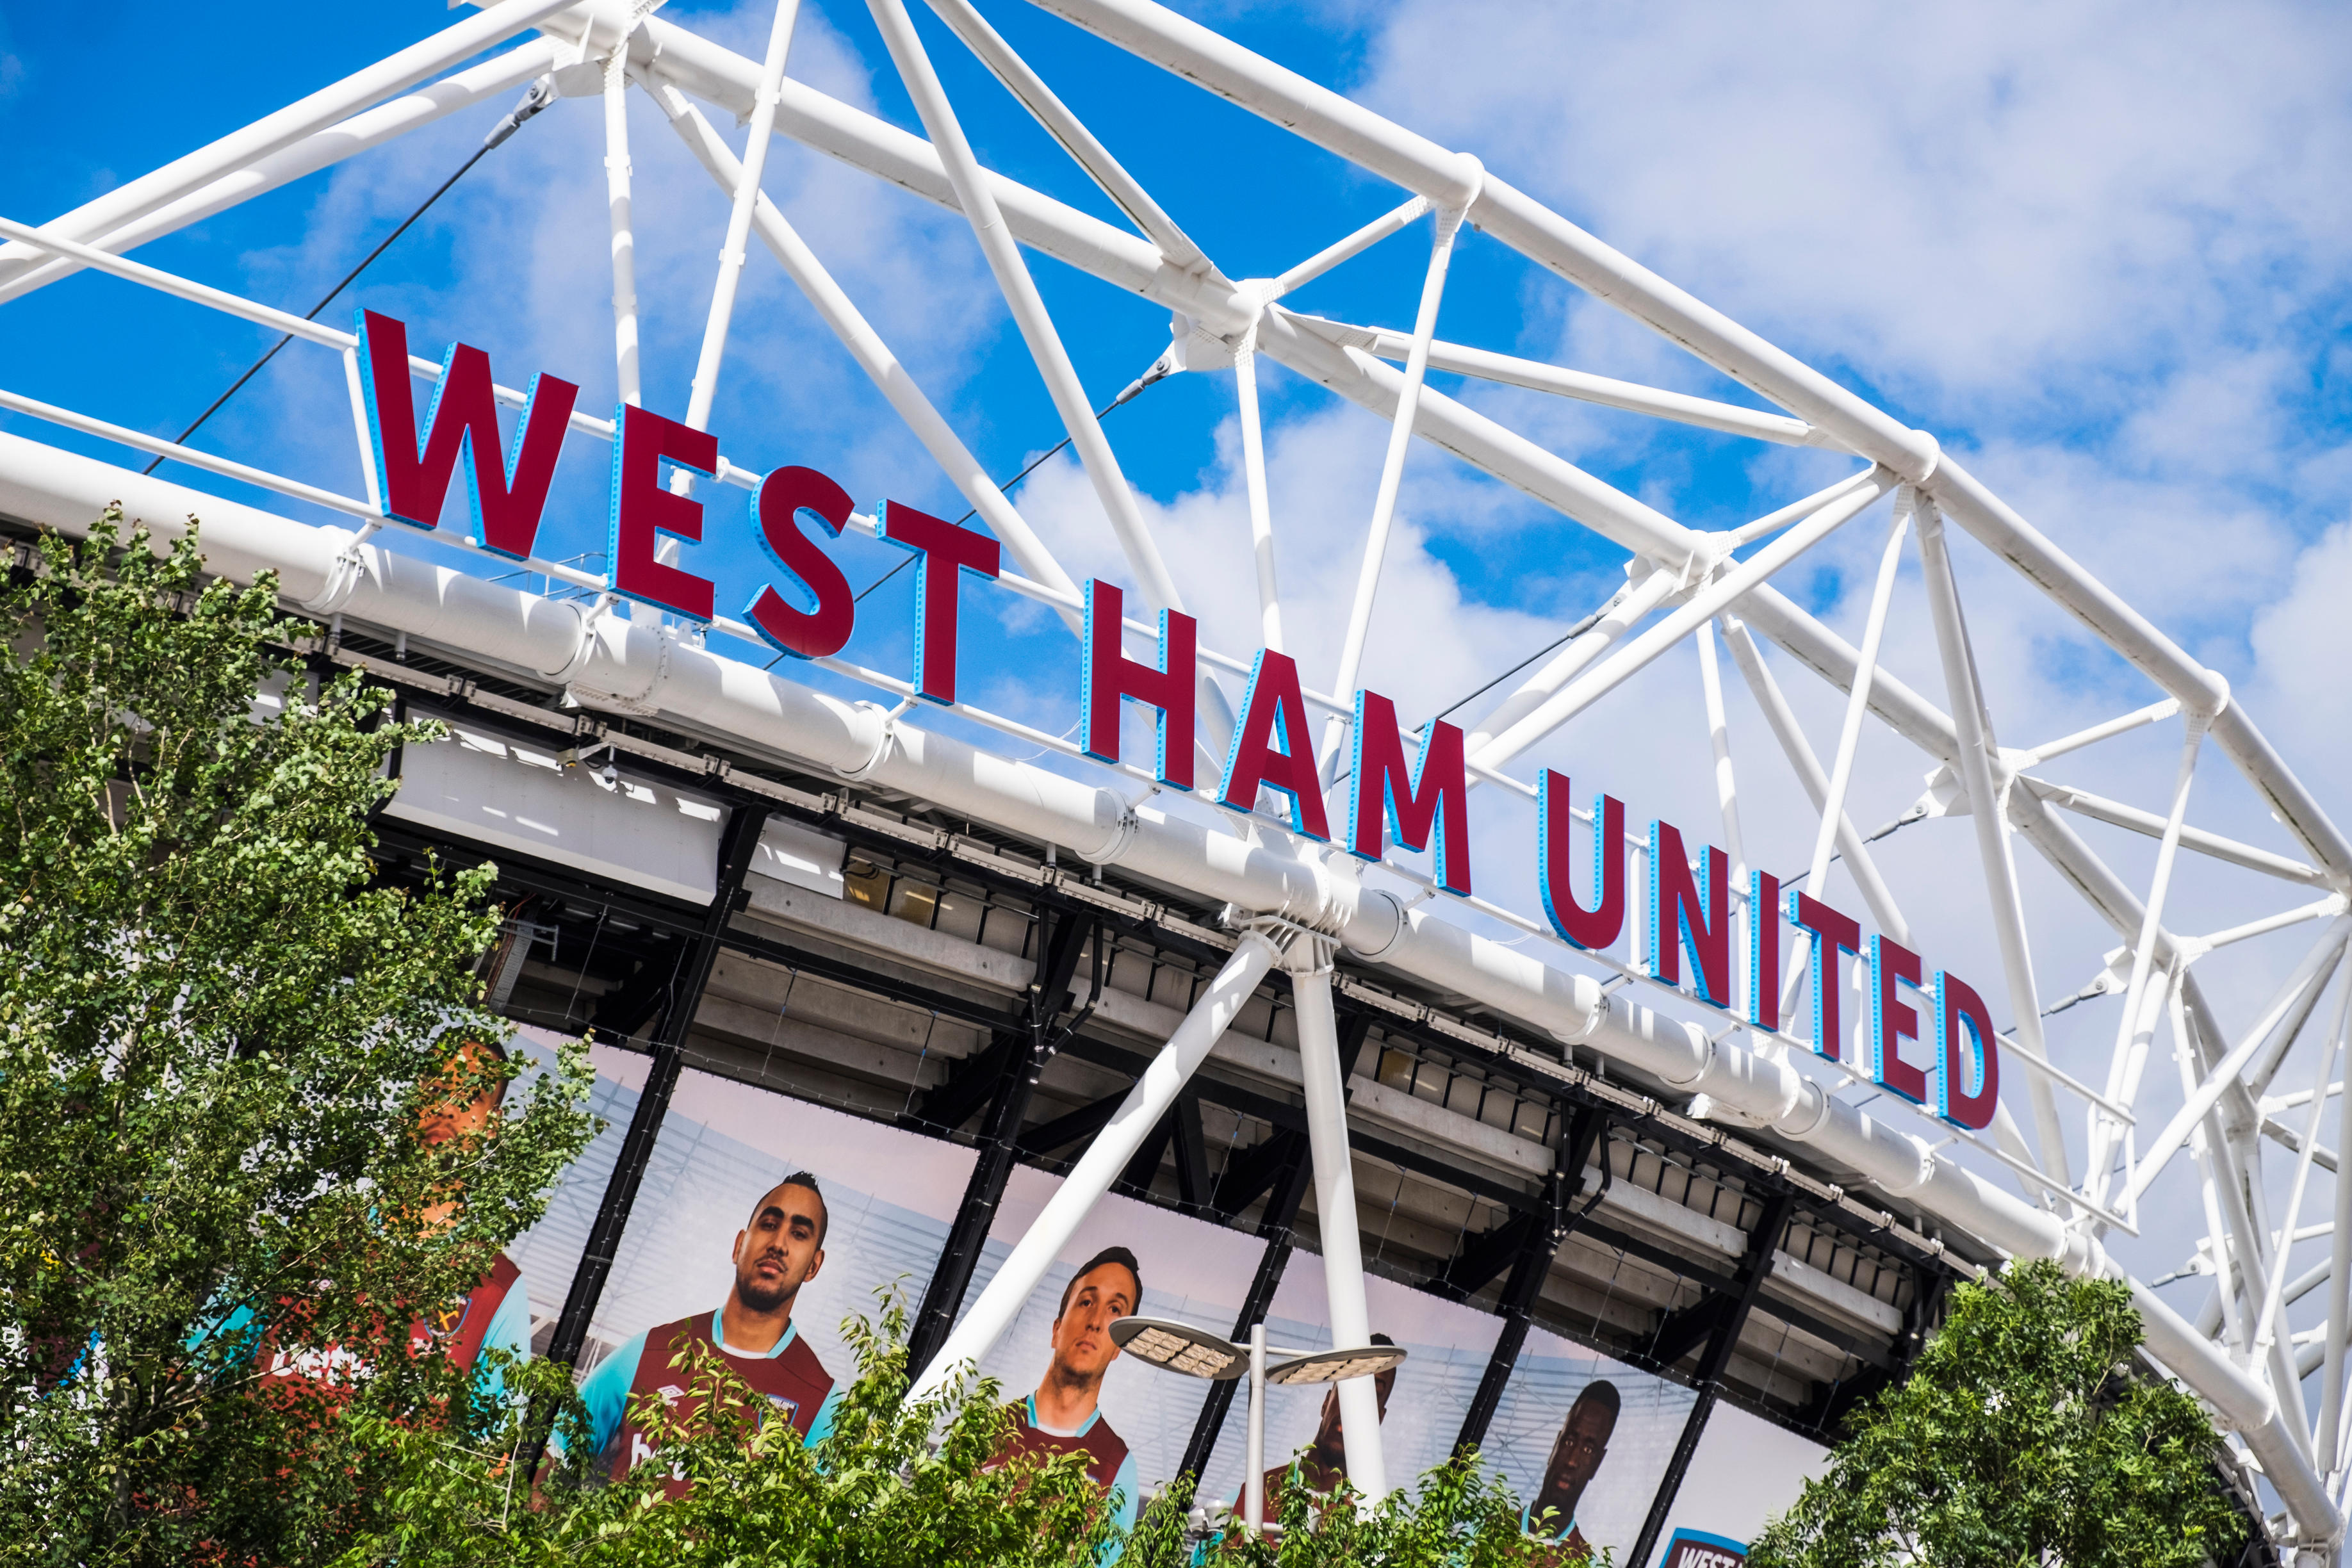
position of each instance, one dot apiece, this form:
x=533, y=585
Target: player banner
x=710, y=1239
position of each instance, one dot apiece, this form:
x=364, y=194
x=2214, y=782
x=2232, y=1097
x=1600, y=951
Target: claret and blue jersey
x=788, y=1375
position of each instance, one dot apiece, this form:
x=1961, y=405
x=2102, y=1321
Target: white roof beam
x=275, y=133
x=1506, y=214
x=1084, y=148
x=1509, y=370
x=321, y=150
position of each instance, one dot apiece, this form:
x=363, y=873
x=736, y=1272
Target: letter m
x=1434, y=795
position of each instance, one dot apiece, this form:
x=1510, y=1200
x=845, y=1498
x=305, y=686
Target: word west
x=1420, y=803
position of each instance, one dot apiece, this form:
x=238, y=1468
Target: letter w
x=1409, y=802
x=508, y=498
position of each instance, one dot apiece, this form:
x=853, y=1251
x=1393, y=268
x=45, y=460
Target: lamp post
x=1196, y=1352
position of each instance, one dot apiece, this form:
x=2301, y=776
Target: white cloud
x=1969, y=194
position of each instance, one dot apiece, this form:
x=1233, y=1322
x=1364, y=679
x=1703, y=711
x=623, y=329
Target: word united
x=1687, y=907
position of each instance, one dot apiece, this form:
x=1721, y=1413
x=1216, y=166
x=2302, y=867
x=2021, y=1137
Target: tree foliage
x=898, y=1484
x=216, y=1040
x=2023, y=1436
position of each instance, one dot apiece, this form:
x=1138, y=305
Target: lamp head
x=1180, y=1347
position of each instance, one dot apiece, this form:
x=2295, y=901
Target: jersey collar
x=718, y=1337
x=1029, y=1408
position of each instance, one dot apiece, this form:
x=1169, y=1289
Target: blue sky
x=2103, y=251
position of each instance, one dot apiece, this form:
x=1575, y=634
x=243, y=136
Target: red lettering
x=643, y=510
x=1684, y=913
x=1958, y=1008
x=1834, y=933
x=948, y=552
x=1598, y=927
x=1108, y=677
x=1408, y=802
x=1893, y=1020
x=1255, y=761
x=805, y=633
x=508, y=497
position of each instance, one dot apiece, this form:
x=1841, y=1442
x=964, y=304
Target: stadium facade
x=1013, y=995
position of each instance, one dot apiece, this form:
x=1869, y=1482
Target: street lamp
x=1197, y=1353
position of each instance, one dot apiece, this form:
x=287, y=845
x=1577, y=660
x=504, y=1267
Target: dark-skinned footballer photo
x=780, y=1248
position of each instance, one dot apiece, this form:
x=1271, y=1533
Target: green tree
x=2025, y=1434
x=217, y=1038
x=880, y=1492
x=898, y=1484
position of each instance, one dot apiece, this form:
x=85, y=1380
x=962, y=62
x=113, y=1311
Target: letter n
x=1684, y=913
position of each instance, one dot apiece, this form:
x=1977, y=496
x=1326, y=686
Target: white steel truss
x=1297, y=902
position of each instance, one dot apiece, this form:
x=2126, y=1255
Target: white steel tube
x=1631, y=396
x=1253, y=1451
x=2272, y=1318
x=987, y=1319
x=2212, y=846
x=1774, y=521
x=319, y=150
x=1857, y=704
x=1988, y=814
x=1261, y=508
x=2340, y=1283
x=2101, y=1133
x=1783, y=721
x=2256, y=1079
x=295, y=489
x=874, y=356
x=2154, y=714
x=2217, y=1229
x=618, y=204
x=396, y=73
x=1716, y=597
x=757, y=140
x=1364, y=239
x=2121, y=1127
x=1337, y=1229
x=1020, y=290
x=2318, y=909
x=1047, y=108
x=1625, y=608
x=164, y=282
x=365, y=437
x=1719, y=734
x=2249, y=1234
x=2313, y=970
x=1376, y=536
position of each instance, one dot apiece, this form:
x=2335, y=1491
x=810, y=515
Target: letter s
x=825, y=630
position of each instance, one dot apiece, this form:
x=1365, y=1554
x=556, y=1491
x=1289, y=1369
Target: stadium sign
x=1685, y=907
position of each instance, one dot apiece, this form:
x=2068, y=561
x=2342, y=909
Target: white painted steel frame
x=1691, y=581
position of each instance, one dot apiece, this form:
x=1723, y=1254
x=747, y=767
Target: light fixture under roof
x=1335, y=1366
x=1180, y=1347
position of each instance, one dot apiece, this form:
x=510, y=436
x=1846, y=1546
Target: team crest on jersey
x=442, y=1322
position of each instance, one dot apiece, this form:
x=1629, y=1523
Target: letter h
x=1110, y=676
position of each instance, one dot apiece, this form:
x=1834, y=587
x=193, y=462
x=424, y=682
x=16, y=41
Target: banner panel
x=1575, y=1428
